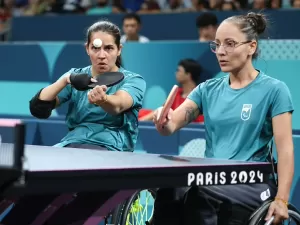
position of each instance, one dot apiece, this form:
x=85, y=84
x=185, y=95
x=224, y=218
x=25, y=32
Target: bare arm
x=131, y=94
x=117, y=103
x=282, y=129
x=50, y=92
x=181, y=116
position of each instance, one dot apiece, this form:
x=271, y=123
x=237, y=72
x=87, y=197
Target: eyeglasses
x=228, y=46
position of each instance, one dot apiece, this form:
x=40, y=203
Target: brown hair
x=107, y=27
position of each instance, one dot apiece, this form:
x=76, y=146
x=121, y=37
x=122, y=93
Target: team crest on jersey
x=246, y=111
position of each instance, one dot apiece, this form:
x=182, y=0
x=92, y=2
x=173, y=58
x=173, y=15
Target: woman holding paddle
x=243, y=112
x=99, y=117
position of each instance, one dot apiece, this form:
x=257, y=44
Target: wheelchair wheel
x=136, y=208
x=259, y=215
x=116, y=215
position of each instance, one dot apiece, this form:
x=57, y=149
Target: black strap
x=40, y=108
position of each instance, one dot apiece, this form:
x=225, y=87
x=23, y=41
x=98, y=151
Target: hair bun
x=258, y=21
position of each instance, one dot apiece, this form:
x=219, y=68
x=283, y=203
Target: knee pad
x=39, y=108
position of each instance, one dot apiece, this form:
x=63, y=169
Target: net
x=12, y=140
x=6, y=155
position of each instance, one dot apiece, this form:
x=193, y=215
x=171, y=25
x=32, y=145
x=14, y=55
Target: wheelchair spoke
x=139, y=209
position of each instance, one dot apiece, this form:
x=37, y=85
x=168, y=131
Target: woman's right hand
x=161, y=127
x=68, y=81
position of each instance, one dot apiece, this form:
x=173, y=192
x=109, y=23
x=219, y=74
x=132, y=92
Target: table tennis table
x=59, y=180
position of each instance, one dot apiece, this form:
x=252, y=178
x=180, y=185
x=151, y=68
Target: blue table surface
x=45, y=158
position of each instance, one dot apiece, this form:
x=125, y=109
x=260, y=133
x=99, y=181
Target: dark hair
x=107, y=27
x=193, y=67
x=134, y=16
x=252, y=25
x=206, y=19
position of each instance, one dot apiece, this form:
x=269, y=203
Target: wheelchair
x=132, y=205
x=196, y=149
x=257, y=217
x=127, y=213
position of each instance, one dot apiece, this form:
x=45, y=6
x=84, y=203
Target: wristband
x=103, y=101
x=280, y=199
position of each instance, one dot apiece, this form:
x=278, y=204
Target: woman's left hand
x=98, y=95
x=279, y=210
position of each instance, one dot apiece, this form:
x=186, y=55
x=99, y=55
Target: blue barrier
x=30, y=67
x=174, y=26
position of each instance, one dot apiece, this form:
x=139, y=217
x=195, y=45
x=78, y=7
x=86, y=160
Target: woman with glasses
x=243, y=111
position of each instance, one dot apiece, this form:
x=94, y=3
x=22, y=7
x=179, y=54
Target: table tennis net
x=6, y=155
x=12, y=138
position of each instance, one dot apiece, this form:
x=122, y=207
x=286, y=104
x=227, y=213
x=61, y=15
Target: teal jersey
x=90, y=124
x=238, y=122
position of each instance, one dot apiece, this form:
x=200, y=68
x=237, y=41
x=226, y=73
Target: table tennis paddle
x=82, y=82
x=168, y=104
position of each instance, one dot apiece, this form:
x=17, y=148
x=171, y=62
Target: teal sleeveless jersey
x=90, y=124
x=238, y=122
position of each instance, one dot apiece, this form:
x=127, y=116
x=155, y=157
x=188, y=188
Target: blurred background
x=43, y=39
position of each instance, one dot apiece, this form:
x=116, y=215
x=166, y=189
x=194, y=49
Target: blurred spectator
x=76, y=6
x=227, y=6
x=21, y=3
x=131, y=28
x=54, y=7
x=101, y=7
x=214, y=4
x=207, y=24
x=175, y=5
x=117, y=6
x=199, y=5
x=4, y=18
x=5, y=13
x=8, y=9
x=149, y=6
x=35, y=7
x=188, y=77
x=259, y=4
x=295, y=3
x=132, y=5
x=274, y=4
